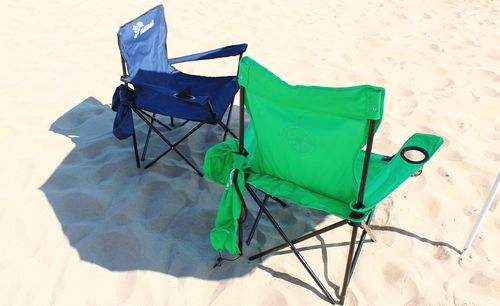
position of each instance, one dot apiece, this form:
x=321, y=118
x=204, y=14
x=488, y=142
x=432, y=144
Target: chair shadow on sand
x=123, y=218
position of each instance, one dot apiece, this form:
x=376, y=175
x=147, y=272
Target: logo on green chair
x=299, y=140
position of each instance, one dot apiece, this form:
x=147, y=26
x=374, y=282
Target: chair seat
x=307, y=198
x=298, y=195
x=150, y=97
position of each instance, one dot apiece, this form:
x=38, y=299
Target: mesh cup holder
x=414, y=155
x=184, y=96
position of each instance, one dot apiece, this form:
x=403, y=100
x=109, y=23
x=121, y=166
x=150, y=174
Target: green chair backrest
x=308, y=135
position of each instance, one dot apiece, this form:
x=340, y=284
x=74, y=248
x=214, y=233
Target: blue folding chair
x=152, y=86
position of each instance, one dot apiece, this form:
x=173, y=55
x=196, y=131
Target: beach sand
x=80, y=225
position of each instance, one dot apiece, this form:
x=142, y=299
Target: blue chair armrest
x=125, y=78
x=216, y=53
x=170, y=93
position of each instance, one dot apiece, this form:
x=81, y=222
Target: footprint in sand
x=383, y=217
x=351, y=299
x=449, y=26
x=270, y=296
x=120, y=219
x=453, y=155
x=78, y=207
x=497, y=223
x=423, y=128
x=372, y=42
x=495, y=135
x=430, y=204
x=392, y=273
x=89, y=109
x=484, y=281
x=383, y=213
x=481, y=184
x=442, y=254
x=470, y=42
x=102, y=246
x=109, y=171
x=405, y=92
x=438, y=70
x=436, y=48
x=490, y=74
x=444, y=174
x=125, y=287
x=63, y=181
x=403, y=283
x=408, y=106
x=490, y=92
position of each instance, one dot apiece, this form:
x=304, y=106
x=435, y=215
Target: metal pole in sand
x=482, y=215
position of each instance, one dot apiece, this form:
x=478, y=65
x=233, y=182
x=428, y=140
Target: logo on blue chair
x=139, y=28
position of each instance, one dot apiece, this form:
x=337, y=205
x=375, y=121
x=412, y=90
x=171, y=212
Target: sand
x=80, y=225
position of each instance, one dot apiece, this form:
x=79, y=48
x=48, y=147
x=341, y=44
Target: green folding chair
x=304, y=144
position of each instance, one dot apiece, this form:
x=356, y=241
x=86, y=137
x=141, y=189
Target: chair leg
x=256, y=222
x=300, y=239
x=348, y=266
x=172, y=146
x=136, y=151
x=291, y=245
x=143, y=157
x=277, y=200
x=228, y=119
x=222, y=125
x=152, y=118
x=360, y=246
x=172, y=121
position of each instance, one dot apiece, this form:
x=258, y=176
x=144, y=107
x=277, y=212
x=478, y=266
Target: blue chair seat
x=172, y=94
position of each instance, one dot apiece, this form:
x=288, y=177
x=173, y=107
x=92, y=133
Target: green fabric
x=297, y=132
x=385, y=177
x=305, y=145
x=222, y=164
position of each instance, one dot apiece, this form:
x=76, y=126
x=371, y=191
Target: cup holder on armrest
x=184, y=96
x=414, y=155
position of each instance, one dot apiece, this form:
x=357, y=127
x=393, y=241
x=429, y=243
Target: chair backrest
x=307, y=135
x=142, y=42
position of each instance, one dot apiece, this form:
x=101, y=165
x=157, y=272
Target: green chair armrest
x=398, y=169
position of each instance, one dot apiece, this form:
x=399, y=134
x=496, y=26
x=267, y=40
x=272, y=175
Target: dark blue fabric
x=123, y=99
x=155, y=92
x=142, y=42
x=159, y=87
x=217, y=53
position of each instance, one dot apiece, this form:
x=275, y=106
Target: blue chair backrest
x=142, y=42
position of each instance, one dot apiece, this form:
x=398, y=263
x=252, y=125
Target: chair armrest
x=168, y=92
x=199, y=100
x=216, y=53
x=125, y=78
x=397, y=169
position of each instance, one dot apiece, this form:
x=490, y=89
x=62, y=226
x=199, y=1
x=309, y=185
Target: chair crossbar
x=171, y=146
x=168, y=142
x=154, y=119
x=360, y=246
x=144, y=150
x=175, y=144
x=256, y=222
x=227, y=121
x=352, y=257
x=291, y=245
x=300, y=239
x=226, y=129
